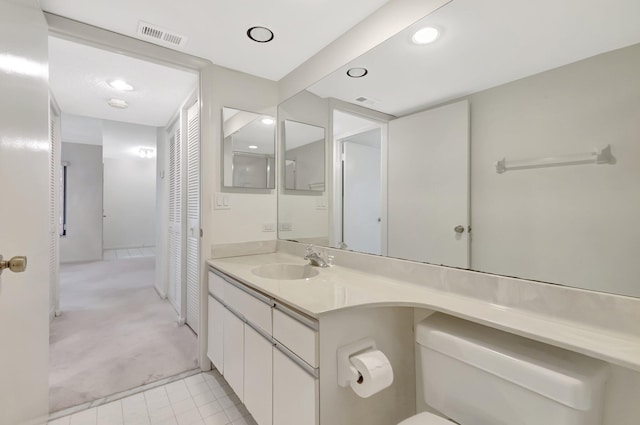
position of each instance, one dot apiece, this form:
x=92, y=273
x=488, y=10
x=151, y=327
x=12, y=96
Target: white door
x=174, y=290
x=295, y=393
x=258, y=379
x=24, y=213
x=428, y=185
x=192, y=263
x=233, y=352
x=361, y=217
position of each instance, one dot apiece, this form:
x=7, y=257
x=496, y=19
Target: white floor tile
x=86, y=417
x=220, y=418
x=183, y=406
x=210, y=409
x=167, y=421
x=110, y=414
x=190, y=417
x=161, y=413
x=60, y=421
x=171, y=404
x=198, y=388
x=204, y=398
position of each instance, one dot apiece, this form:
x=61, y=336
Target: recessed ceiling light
x=425, y=35
x=120, y=85
x=267, y=121
x=253, y=147
x=357, y=72
x=118, y=103
x=260, y=34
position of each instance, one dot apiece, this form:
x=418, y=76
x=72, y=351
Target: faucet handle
x=309, y=249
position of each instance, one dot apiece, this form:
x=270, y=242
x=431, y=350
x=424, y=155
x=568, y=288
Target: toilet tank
x=478, y=375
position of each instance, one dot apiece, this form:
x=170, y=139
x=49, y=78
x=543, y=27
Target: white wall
x=129, y=186
x=129, y=202
x=83, y=241
x=574, y=225
x=249, y=208
x=299, y=209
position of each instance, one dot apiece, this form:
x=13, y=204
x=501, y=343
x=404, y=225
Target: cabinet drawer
x=216, y=284
x=297, y=337
x=253, y=309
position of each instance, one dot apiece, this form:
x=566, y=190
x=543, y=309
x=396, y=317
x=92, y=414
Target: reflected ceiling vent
x=158, y=35
x=366, y=101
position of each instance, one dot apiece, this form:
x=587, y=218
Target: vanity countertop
x=337, y=288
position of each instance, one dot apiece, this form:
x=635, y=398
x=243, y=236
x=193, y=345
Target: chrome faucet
x=314, y=257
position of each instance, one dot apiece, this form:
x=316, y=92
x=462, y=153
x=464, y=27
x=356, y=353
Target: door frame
x=335, y=146
x=82, y=33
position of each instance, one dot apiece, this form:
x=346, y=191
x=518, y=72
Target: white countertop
x=337, y=288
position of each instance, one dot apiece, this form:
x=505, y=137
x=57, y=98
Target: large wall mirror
x=304, y=146
x=510, y=144
x=248, y=149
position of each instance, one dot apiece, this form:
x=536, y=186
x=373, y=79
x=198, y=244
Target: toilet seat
x=425, y=418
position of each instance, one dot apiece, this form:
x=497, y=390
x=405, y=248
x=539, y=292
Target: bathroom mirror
x=509, y=145
x=248, y=149
x=304, y=147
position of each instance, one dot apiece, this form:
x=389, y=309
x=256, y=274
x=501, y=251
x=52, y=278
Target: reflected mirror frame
x=271, y=182
x=283, y=161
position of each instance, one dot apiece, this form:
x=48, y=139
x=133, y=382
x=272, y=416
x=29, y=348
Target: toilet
x=476, y=375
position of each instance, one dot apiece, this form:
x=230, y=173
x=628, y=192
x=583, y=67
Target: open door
x=428, y=178
x=24, y=213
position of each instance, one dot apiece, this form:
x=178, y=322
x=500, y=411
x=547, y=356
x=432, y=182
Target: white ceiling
x=78, y=76
x=216, y=29
x=298, y=134
x=248, y=129
x=483, y=44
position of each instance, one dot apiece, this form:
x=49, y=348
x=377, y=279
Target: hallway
x=115, y=332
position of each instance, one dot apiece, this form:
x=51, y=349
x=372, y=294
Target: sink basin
x=285, y=271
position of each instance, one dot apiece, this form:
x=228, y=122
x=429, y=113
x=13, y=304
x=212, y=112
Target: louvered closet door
x=54, y=215
x=193, y=216
x=175, y=223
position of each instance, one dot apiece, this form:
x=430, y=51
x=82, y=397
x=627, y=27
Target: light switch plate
x=221, y=201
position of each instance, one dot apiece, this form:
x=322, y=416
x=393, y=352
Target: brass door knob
x=16, y=264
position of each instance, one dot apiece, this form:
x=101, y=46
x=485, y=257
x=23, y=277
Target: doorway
x=114, y=328
x=359, y=142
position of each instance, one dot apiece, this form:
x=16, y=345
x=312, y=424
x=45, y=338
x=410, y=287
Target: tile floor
x=119, y=254
x=202, y=399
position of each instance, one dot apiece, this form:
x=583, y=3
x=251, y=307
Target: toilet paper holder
x=347, y=373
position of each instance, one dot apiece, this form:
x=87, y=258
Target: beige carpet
x=115, y=333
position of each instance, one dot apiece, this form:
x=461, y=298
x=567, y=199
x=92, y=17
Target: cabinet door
x=234, y=352
x=215, y=342
x=295, y=393
x=258, y=381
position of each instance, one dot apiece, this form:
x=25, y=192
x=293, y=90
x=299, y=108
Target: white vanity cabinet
x=266, y=351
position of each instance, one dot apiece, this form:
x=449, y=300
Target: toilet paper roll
x=376, y=372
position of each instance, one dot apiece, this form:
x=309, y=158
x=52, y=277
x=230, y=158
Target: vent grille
x=159, y=35
x=366, y=100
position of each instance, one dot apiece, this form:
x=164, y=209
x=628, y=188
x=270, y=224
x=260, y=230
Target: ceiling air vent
x=158, y=35
x=366, y=100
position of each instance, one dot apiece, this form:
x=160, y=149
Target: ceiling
x=78, y=76
x=216, y=29
x=483, y=44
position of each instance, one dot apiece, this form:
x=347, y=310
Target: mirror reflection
x=248, y=149
x=508, y=150
x=304, y=146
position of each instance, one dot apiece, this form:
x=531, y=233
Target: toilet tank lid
x=564, y=376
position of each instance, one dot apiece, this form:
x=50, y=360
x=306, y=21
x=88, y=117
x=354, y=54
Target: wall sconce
x=146, y=152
